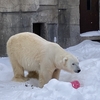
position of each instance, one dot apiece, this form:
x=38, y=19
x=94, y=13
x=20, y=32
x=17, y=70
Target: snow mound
x=85, y=50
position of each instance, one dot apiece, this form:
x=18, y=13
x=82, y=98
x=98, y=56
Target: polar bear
x=30, y=52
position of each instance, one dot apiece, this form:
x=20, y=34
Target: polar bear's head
x=71, y=64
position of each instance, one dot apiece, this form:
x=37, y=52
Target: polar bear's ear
x=64, y=60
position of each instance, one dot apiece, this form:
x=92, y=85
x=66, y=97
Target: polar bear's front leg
x=44, y=77
x=45, y=74
x=56, y=74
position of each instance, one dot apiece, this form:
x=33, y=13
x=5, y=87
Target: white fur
x=28, y=51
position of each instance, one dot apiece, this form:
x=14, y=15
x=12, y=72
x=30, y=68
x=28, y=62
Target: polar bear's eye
x=73, y=64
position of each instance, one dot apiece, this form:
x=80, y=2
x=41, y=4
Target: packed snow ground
x=90, y=33
x=88, y=53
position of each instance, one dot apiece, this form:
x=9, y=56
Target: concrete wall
x=19, y=15
x=68, y=19
x=18, y=5
x=60, y=20
x=48, y=2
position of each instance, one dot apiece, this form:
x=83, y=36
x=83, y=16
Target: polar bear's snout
x=78, y=71
x=76, y=68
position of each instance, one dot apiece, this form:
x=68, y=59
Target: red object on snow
x=75, y=84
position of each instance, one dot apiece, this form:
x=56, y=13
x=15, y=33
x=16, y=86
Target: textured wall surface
x=18, y=5
x=48, y=2
x=19, y=15
x=59, y=20
x=68, y=23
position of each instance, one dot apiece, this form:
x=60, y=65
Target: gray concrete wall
x=48, y=2
x=68, y=28
x=18, y=5
x=60, y=20
x=19, y=15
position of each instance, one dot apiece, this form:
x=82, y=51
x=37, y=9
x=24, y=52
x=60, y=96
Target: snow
x=90, y=33
x=88, y=53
